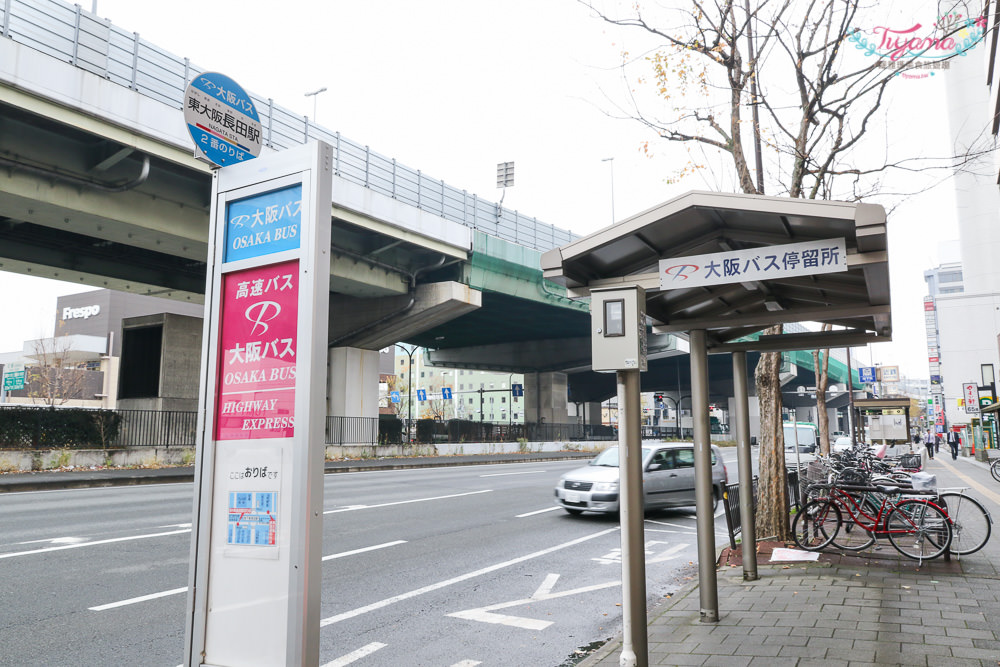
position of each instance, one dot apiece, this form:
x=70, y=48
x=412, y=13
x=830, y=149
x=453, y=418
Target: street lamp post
x=314, y=94
x=409, y=387
x=611, y=160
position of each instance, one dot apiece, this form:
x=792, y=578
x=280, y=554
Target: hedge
x=23, y=427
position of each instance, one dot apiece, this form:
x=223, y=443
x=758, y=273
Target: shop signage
x=970, y=391
x=85, y=312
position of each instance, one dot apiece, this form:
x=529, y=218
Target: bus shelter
x=720, y=269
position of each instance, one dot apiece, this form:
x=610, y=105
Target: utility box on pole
x=618, y=331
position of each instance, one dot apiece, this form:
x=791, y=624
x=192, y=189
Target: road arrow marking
x=544, y=592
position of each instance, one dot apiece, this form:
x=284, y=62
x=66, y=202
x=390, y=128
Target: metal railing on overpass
x=76, y=36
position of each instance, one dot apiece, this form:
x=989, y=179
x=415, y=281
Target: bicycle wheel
x=971, y=523
x=995, y=470
x=852, y=535
x=816, y=524
x=918, y=529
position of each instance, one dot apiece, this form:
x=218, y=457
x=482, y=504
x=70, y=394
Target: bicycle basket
x=909, y=461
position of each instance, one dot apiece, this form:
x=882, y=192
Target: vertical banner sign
x=257, y=343
x=970, y=391
x=255, y=558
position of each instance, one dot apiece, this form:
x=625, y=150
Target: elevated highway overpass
x=99, y=186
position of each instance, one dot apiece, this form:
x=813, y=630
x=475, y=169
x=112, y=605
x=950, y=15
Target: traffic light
x=658, y=399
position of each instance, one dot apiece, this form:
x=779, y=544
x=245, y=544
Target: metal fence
x=731, y=503
x=352, y=430
x=156, y=428
x=76, y=36
x=35, y=427
x=430, y=431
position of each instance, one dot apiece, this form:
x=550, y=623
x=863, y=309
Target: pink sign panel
x=257, y=344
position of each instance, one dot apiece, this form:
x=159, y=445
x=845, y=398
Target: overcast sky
x=452, y=87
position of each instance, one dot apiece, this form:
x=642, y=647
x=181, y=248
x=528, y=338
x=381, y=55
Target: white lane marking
x=669, y=554
x=176, y=525
x=353, y=656
x=467, y=663
x=547, y=585
x=505, y=474
x=143, y=598
x=352, y=508
x=462, y=577
x=692, y=531
x=547, y=509
x=363, y=549
x=672, y=525
x=90, y=544
x=544, y=592
x=57, y=540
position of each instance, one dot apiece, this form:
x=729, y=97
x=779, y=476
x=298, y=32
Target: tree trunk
x=772, y=504
x=821, y=367
x=822, y=418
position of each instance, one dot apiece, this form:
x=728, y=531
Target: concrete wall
x=56, y=459
x=180, y=362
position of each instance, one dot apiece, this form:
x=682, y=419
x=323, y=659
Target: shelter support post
x=634, y=642
x=707, y=582
x=748, y=529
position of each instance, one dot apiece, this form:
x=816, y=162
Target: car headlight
x=606, y=487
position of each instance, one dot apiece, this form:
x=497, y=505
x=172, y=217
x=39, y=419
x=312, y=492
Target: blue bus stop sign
x=221, y=119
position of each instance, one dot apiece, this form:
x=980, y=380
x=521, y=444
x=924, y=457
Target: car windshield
x=609, y=457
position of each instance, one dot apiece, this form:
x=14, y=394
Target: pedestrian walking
x=930, y=441
x=953, y=442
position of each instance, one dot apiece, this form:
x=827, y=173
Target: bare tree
x=55, y=380
x=816, y=104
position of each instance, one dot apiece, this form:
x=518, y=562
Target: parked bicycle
x=971, y=522
x=916, y=526
x=995, y=469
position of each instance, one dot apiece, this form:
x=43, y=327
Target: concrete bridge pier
x=545, y=398
x=352, y=382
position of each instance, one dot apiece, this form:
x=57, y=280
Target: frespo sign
x=84, y=312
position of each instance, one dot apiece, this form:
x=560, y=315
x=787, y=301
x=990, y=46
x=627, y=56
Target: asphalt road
x=449, y=567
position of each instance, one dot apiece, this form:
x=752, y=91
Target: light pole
x=612, y=161
x=409, y=387
x=314, y=94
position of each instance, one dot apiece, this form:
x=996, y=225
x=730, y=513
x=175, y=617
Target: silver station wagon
x=667, y=480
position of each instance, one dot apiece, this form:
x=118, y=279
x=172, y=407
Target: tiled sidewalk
x=868, y=609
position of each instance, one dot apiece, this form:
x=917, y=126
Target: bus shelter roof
x=855, y=298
